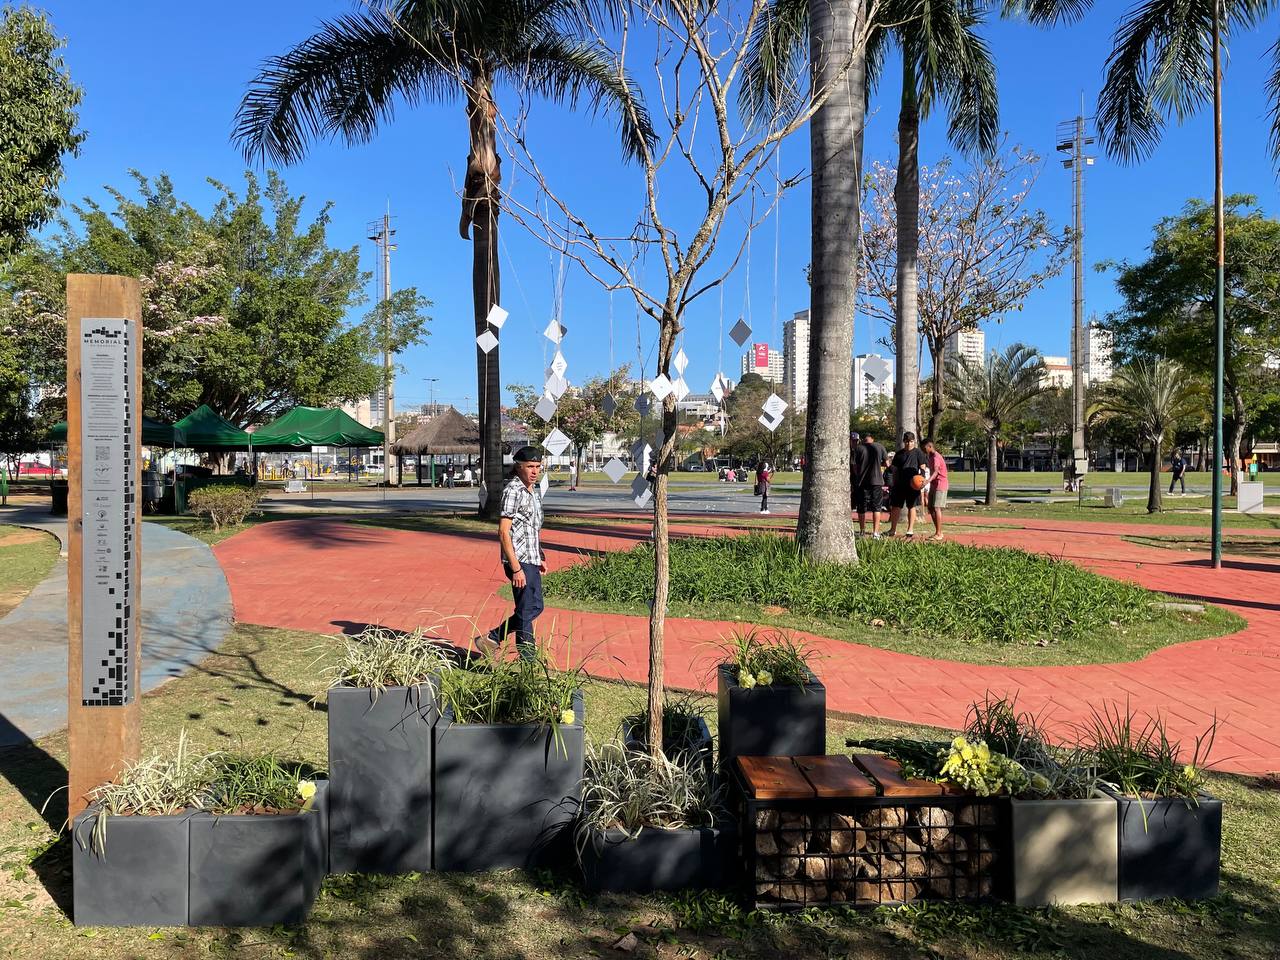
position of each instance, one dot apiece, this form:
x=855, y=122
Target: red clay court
x=327, y=575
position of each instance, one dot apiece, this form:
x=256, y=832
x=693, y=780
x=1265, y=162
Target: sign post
x=104, y=557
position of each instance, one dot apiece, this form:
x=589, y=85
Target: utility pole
x=1219, y=295
x=382, y=237
x=1073, y=138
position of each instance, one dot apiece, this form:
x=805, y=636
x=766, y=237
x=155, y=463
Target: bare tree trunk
x=661, y=542
x=906, y=196
x=480, y=203
x=1239, y=424
x=993, y=466
x=824, y=530
x=939, y=391
x=1154, y=504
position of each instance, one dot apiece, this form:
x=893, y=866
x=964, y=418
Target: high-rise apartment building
x=966, y=343
x=795, y=359
x=1098, y=347
x=872, y=378
x=765, y=361
x=1057, y=373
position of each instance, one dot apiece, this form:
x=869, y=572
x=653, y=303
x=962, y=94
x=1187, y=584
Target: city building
x=872, y=378
x=700, y=405
x=1057, y=373
x=765, y=361
x=966, y=343
x=367, y=411
x=1098, y=348
x=795, y=359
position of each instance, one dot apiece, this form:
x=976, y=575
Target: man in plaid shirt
x=522, y=557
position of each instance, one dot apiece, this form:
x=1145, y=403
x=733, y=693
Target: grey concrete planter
x=139, y=879
x=380, y=758
x=772, y=721
x=701, y=746
x=1174, y=851
x=1065, y=851
x=257, y=870
x=695, y=858
x=505, y=795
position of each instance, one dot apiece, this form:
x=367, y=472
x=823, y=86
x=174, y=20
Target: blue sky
x=162, y=82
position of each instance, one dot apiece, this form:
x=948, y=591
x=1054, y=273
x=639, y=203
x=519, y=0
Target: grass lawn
x=951, y=601
x=256, y=693
x=25, y=559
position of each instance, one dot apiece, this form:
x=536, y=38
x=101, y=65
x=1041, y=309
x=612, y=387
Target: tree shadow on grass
x=41, y=780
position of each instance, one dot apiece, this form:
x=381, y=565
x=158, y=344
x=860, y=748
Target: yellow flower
x=959, y=743
x=1190, y=772
x=966, y=753
x=764, y=677
x=568, y=717
x=307, y=791
x=984, y=752
x=745, y=680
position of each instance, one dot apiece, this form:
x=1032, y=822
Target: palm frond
x=1160, y=66
x=954, y=64
x=340, y=82
x=567, y=70
x=1045, y=12
x=995, y=389
x=774, y=79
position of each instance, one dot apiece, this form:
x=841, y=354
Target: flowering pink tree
x=983, y=249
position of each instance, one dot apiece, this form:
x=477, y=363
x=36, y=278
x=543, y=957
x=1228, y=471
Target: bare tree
x=983, y=250
x=697, y=53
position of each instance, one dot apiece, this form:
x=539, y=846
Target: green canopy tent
x=154, y=434
x=204, y=430
x=305, y=427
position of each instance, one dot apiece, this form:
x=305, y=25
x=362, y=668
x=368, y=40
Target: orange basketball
x=917, y=482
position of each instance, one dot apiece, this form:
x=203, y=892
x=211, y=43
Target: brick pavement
x=326, y=576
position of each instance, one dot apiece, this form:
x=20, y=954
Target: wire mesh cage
x=865, y=851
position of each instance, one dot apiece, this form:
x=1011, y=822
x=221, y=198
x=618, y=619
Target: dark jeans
x=528, y=605
x=764, y=498
x=1178, y=478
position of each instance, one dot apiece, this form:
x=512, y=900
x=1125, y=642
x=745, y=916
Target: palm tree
x=993, y=392
x=344, y=81
x=1152, y=396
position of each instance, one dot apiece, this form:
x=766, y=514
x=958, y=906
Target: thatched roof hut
x=448, y=434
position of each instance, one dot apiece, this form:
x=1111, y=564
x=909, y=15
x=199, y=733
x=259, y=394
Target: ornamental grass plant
x=762, y=658
x=1136, y=757
x=629, y=790
x=524, y=690
x=947, y=590
x=681, y=731
x=378, y=658
x=262, y=784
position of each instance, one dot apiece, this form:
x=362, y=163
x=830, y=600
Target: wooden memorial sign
x=104, y=551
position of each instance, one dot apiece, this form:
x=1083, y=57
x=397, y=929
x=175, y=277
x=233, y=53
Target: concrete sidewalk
x=186, y=613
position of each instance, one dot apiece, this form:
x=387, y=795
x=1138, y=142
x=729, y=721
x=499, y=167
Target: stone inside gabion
x=875, y=854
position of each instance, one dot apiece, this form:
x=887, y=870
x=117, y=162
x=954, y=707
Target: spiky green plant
x=767, y=658
x=379, y=657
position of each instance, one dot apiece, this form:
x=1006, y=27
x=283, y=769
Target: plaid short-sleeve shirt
x=523, y=507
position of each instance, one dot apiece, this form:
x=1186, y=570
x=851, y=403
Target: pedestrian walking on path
x=520, y=538
x=910, y=474
x=764, y=476
x=938, y=483
x=869, y=495
x=1179, y=467
x=856, y=453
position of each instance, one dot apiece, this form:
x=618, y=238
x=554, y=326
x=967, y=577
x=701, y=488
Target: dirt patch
x=20, y=537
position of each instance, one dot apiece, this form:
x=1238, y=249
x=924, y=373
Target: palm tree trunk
x=906, y=196
x=661, y=541
x=1239, y=424
x=1156, y=489
x=480, y=202
x=824, y=530
x=993, y=466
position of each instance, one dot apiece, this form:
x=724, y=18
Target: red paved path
x=322, y=575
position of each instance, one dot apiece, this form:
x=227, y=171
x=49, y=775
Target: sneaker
x=909, y=534
x=485, y=644
x=764, y=511
x=876, y=535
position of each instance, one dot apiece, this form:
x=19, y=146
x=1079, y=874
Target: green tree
x=243, y=309
x=1167, y=305
x=1153, y=396
x=38, y=119
x=344, y=81
x=993, y=393
x=581, y=414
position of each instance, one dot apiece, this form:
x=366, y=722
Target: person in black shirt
x=870, y=483
x=855, y=453
x=909, y=463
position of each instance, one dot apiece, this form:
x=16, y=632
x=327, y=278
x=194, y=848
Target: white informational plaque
x=109, y=499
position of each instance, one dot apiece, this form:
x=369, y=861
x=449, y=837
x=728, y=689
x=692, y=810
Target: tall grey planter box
x=1065, y=851
x=140, y=879
x=772, y=721
x=693, y=858
x=380, y=755
x=257, y=870
x=1174, y=851
x=505, y=795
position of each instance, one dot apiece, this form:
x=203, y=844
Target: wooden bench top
x=835, y=777
x=774, y=778
x=888, y=773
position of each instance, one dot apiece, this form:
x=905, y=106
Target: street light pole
x=1219, y=293
x=431, y=406
x=1075, y=144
